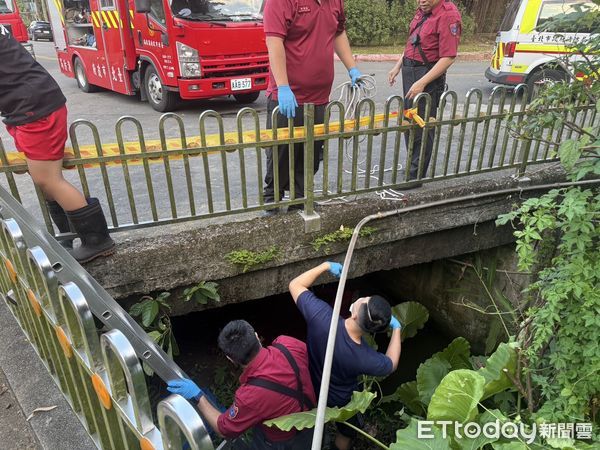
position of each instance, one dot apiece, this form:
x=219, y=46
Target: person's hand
x=335, y=269
x=395, y=324
x=354, y=74
x=186, y=388
x=393, y=74
x=416, y=89
x=287, y=102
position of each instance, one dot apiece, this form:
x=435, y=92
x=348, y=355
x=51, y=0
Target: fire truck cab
x=12, y=21
x=164, y=50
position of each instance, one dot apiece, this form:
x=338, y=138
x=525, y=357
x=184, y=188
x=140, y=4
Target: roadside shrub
x=468, y=23
x=401, y=14
x=368, y=21
x=381, y=22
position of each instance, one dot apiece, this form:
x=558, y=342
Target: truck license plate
x=240, y=84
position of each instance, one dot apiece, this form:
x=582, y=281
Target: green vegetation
x=203, y=293
x=547, y=369
x=248, y=259
x=153, y=316
x=341, y=235
x=386, y=22
x=560, y=332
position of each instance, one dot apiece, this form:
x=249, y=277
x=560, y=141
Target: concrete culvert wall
x=179, y=256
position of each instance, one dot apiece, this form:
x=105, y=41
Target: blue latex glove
x=354, y=75
x=335, y=269
x=395, y=324
x=287, y=102
x=186, y=388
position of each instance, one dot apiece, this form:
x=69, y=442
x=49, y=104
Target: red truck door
x=113, y=23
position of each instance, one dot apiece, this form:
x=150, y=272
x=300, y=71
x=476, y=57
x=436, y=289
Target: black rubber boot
x=90, y=224
x=59, y=217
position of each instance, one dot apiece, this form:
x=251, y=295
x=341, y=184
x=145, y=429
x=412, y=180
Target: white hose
x=351, y=96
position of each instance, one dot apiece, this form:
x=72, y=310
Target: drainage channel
x=196, y=336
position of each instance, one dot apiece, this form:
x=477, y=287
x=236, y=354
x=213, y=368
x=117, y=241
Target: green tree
x=562, y=328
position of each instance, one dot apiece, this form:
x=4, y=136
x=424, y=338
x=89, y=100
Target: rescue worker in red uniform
x=33, y=109
x=275, y=382
x=302, y=36
x=431, y=49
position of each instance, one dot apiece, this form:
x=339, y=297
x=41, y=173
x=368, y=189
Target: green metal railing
x=56, y=304
x=221, y=173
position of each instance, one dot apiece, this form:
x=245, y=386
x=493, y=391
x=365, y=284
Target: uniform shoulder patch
x=455, y=28
x=233, y=411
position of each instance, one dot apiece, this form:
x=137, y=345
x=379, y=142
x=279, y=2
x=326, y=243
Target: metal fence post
x=525, y=150
x=312, y=221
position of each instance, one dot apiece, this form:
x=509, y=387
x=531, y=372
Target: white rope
x=350, y=96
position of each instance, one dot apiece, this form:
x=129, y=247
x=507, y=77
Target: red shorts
x=44, y=139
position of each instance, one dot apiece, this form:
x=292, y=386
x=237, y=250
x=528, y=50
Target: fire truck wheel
x=541, y=78
x=245, y=99
x=159, y=98
x=81, y=77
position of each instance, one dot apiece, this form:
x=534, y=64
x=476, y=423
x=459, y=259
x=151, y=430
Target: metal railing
x=144, y=183
x=56, y=304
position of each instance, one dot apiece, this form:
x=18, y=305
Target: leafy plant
x=153, y=316
x=225, y=383
x=341, y=235
x=203, y=293
x=359, y=402
x=412, y=316
x=248, y=259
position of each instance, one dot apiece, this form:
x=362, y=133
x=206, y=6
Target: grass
x=479, y=44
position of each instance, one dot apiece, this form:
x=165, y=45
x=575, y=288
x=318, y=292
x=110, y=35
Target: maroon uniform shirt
x=253, y=405
x=440, y=33
x=308, y=29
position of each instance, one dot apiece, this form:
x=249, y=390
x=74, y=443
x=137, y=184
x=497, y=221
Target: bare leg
x=48, y=176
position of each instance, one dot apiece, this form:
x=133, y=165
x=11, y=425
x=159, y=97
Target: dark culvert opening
x=196, y=335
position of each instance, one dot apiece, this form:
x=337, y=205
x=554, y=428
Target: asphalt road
x=105, y=108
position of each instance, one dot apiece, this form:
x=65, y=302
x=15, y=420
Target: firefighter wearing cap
x=431, y=49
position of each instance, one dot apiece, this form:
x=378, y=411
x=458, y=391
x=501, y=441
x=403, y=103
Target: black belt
x=408, y=62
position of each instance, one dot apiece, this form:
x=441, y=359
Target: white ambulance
x=524, y=54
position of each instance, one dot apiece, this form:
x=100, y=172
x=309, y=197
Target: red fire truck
x=11, y=20
x=165, y=50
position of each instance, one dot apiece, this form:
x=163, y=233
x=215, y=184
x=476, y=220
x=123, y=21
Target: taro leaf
x=359, y=403
x=149, y=312
x=480, y=441
x=408, y=394
x=457, y=354
x=510, y=446
x=429, y=376
x=457, y=397
x=412, y=316
x=408, y=439
x=465, y=443
x=505, y=357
